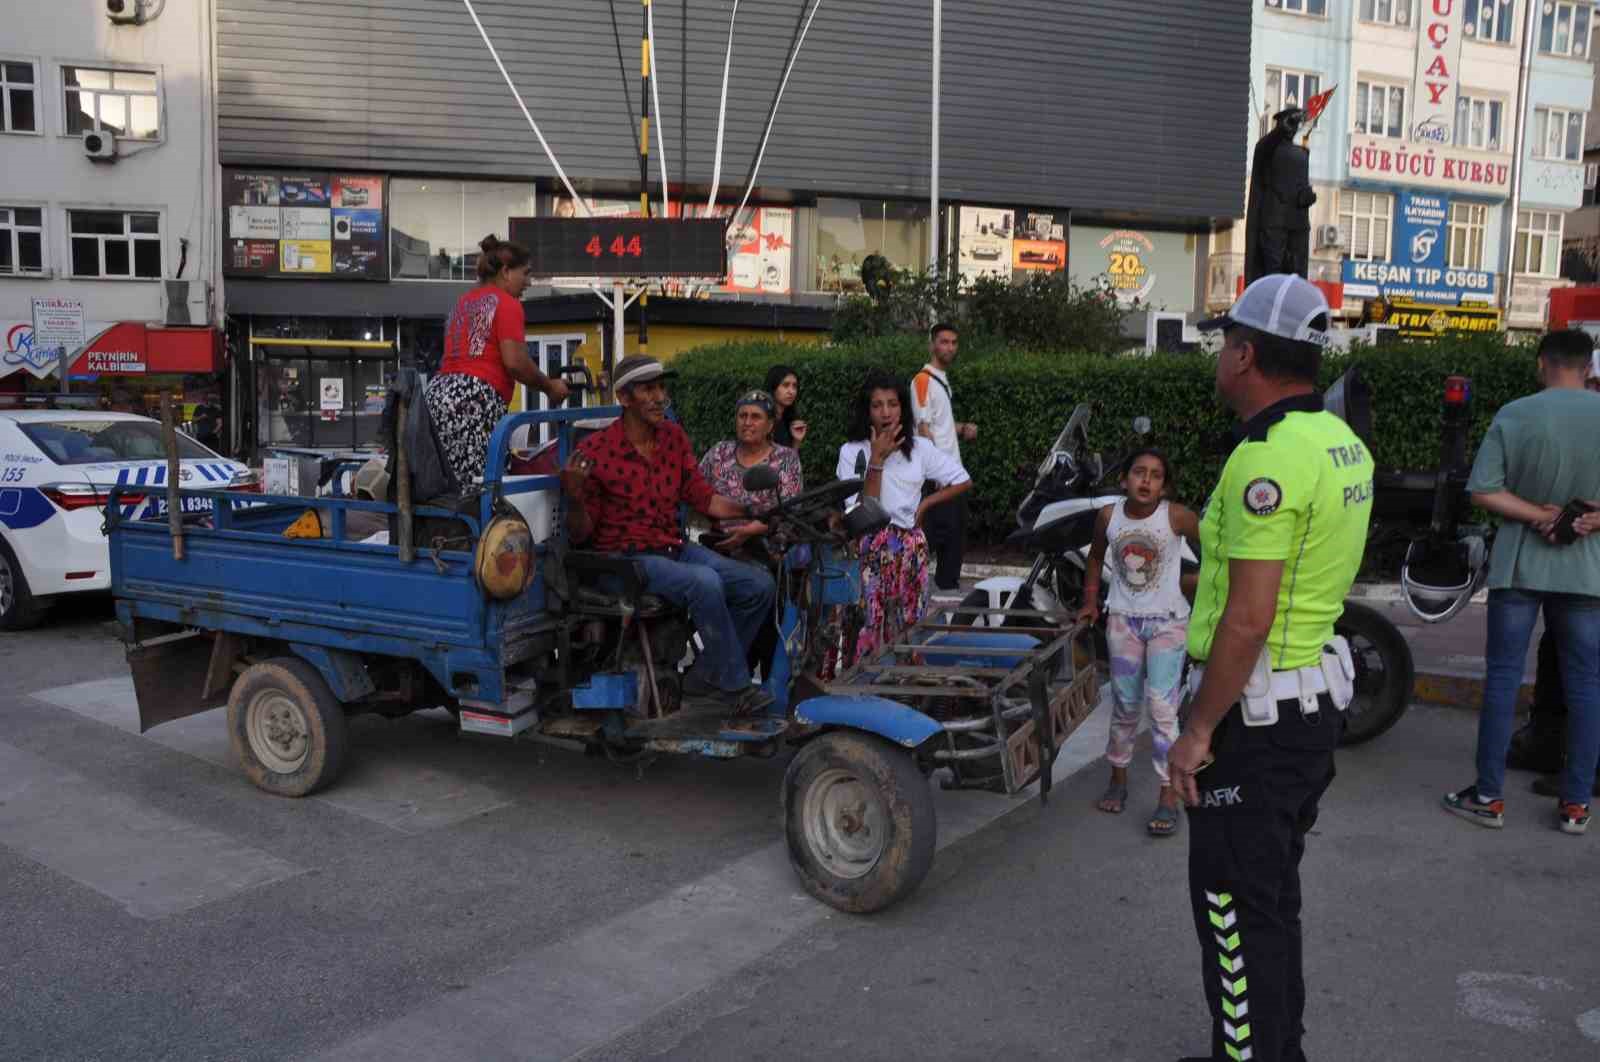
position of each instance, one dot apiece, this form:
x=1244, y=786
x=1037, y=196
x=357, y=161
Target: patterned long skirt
x=894, y=594
x=464, y=411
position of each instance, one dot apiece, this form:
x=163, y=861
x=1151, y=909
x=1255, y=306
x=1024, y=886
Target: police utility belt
x=1334, y=675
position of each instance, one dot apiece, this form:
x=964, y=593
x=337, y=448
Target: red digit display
x=623, y=247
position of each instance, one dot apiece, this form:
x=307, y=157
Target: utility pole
x=646, y=61
x=935, y=258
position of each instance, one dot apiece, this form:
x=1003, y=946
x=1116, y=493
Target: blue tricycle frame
x=295, y=634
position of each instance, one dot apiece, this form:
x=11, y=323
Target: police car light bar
x=1457, y=390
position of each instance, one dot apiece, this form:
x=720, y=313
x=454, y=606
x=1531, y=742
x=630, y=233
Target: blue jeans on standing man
x=1574, y=620
x=727, y=599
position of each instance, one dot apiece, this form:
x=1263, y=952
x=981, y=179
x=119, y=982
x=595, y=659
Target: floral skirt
x=894, y=595
x=464, y=411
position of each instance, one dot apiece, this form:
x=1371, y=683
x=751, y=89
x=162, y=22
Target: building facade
x=368, y=146
x=1423, y=195
x=108, y=224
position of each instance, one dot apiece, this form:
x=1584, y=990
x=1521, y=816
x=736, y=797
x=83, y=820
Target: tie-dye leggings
x=1147, y=654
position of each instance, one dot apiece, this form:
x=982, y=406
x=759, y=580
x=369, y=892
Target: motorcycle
x=1056, y=524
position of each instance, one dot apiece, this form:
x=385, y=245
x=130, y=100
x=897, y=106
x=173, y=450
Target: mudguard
x=876, y=715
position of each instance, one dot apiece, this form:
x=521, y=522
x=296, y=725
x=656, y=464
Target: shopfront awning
x=130, y=348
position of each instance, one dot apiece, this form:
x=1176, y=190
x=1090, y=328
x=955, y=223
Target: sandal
x=1117, y=791
x=1164, y=823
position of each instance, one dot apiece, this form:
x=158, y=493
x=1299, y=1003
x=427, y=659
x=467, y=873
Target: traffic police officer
x=1281, y=541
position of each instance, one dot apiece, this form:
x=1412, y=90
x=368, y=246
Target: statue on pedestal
x=1277, y=220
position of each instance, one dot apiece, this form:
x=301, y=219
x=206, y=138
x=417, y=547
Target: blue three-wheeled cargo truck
x=489, y=614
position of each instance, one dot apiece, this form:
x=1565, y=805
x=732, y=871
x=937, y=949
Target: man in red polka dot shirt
x=623, y=487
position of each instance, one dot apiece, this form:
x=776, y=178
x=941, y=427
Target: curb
x=1457, y=690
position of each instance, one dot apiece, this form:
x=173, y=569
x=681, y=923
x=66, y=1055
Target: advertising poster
x=306, y=256
x=1128, y=264
x=306, y=225
x=330, y=392
x=255, y=222
x=984, y=248
x=1040, y=245
x=1420, y=270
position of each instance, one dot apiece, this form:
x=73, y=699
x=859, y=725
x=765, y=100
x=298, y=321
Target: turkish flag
x=1316, y=104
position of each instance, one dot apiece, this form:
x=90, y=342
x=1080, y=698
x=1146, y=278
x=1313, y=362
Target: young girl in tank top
x=1147, y=622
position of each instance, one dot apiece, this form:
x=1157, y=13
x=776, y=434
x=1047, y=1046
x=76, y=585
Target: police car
x=57, y=468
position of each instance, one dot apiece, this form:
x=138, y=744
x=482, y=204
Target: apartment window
x=1591, y=177
x=1464, y=237
x=849, y=230
x=19, y=111
x=1290, y=88
x=1557, y=134
x=1300, y=7
x=435, y=225
x=1489, y=20
x=1478, y=123
x=115, y=243
x=21, y=240
x=1364, y=224
x=1564, y=28
x=1380, y=109
x=1394, y=12
x=1538, y=250
x=124, y=103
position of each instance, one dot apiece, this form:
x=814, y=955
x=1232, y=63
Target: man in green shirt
x=1281, y=541
x=1538, y=457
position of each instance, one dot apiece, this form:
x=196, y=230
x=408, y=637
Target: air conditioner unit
x=125, y=12
x=188, y=302
x=99, y=144
x=1328, y=237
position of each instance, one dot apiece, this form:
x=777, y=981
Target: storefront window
x=435, y=225
x=849, y=230
x=321, y=395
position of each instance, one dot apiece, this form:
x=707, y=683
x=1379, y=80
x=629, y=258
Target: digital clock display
x=623, y=247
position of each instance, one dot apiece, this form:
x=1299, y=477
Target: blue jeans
x=1574, y=620
x=728, y=600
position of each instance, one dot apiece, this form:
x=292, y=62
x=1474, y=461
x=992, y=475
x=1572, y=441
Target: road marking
x=580, y=993
x=404, y=796
x=151, y=863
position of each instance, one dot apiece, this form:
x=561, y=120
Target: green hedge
x=1021, y=399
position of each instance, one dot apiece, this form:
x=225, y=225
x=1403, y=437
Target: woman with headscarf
x=724, y=466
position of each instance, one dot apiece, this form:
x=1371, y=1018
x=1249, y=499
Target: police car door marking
x=10, y=502
x=210, y=477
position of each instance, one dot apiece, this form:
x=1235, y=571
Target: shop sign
x=1380, y=159
x=1433, y=109
x=1040, y=245
x=306, y=224
x=1414, y=319
x=1128, y=264
x=1419, y=270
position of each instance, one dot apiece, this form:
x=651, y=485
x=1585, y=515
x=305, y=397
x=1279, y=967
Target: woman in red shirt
x=485, y=350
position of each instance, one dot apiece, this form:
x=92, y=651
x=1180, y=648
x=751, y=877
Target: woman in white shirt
x=885, y=451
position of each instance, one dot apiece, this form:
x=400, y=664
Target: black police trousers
x=1246, y=836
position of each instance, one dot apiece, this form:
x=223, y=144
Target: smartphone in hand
x=1562, y=532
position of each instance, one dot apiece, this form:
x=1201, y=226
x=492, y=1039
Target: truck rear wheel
x=860, y=821
x=286, y=727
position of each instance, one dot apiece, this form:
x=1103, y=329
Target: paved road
x=466, y=898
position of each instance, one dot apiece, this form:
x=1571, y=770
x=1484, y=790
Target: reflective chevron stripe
x=1235, y=1031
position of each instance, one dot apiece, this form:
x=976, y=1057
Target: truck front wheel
x=286, y=727
x=860, y=821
